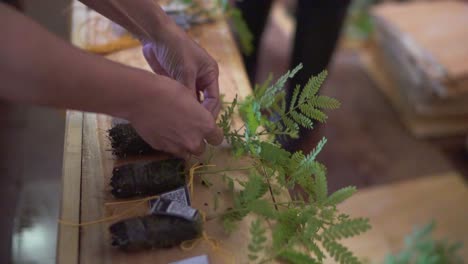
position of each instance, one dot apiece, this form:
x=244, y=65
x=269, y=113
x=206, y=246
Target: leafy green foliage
x=347, y=228
x=266, y=97
x=305, y=230
x=258, y=239
x=297, y=257
x=339, y=252
x=421, y=248
x=340, y=195
x=226, y=117
x=359, y=24
x=242, y=29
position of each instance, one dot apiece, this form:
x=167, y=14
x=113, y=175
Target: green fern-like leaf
x=290, y=124
x=313, y=113
x=294, y=97
x=230, y=222
x=286, y=227
x=312, y=86
x=282, y=233
x=302, y=168
x=250, y=113
x=261, y=89
x=321, y=190
x=314, y=153
x=339, y=252
x=347, y=228
x=266, y=100
x=302, y=120
x=340, y=195
x=257, y=239
x=296, y=158
x=297, y=225
x=263, y=208
x=324, y=102
x=243, y=31
x=274, y=154
x=316, y=250
x=226, y=117
x=254, y=189
x=421, y=248
x=295, y=257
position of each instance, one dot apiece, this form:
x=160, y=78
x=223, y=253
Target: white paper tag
x=172, y=208
x=203, y=259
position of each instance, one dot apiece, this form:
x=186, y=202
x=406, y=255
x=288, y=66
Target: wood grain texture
x=418, y=125
x=95, y=240
x=394, y=210
x=433, y=34
x=68, y=237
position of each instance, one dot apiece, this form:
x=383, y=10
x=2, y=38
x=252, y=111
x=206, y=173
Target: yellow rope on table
x=129, y=210
x=213, y=242
x=132, y=201
x=192, y=175
x=102, y=220
x=185, y=245
x=137, y=203
x=124, y=42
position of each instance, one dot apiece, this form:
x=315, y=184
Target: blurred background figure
x=318, y=27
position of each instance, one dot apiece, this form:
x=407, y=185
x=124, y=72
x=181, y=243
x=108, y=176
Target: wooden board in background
x=396, y=209
x=419, y=126
x=433, y=34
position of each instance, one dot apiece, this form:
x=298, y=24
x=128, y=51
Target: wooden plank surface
x=68, y=237
x=394, y=210
x=419, y=126
x=420, y=89
x=96, y=173
x=434, y=35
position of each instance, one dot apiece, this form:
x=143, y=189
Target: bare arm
x=38, y=68
x=167, y=48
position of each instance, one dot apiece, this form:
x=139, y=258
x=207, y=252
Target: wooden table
x=88, y=167
x=393, y=209
x=396, y=209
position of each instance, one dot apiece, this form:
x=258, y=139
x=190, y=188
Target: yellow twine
x=137, y=202
x=113, y=45
x=132, y=201
x=214, y=243
x=192, y=175
x=124, y=42
x=102, y=220
x=185, y=245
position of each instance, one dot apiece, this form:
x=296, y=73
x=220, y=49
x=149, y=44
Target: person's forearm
x=144, y=18
x=39, y=68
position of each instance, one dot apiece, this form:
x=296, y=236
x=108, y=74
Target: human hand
x=170, y=119
x=172, y=53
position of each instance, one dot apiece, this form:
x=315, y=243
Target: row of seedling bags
x=171, y=220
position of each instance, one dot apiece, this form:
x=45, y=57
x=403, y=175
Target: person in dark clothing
x=319, y=24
